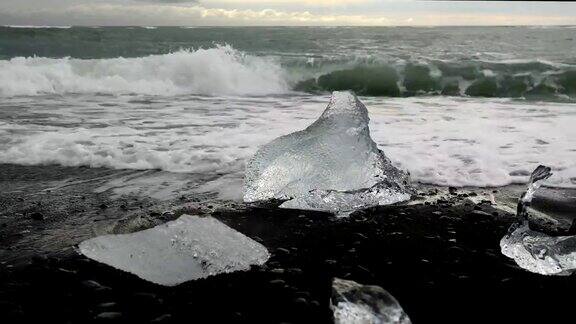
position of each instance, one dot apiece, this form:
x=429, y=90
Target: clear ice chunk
x=538, y=252
x=353, y=303
x=188, y=248
x=533, y=250
x=538, y=176
x=331, y=165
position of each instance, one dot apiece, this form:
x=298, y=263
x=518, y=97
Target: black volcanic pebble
x=145, y=298
x=301, y=300
x=92, y=284
x=108, y=316
x=39, y=259
x=37, y=216
x=277, y=282
x=162, y=318
x=330, y=262
x=282, y=251
x=107, y=305
x=294, y=271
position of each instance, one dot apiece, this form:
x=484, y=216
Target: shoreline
x=48, y=207
x=440, y=258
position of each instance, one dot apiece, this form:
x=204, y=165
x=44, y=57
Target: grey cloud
x=168, y=1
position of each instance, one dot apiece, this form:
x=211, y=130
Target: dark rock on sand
x=108, y=316
x=37, y=216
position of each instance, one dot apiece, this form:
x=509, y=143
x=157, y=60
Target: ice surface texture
x=332, y=165
x=538, y=252
x=538, y=176
x=353, y=303
x=533, y=250
x=188, y=248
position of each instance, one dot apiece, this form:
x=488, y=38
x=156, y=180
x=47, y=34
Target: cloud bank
x=360, y=13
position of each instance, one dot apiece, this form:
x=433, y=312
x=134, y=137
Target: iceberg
x=534, y=250
x=353, y=303
x=332, y=165
x=187, y=248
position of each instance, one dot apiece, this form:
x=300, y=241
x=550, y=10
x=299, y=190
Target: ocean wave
x=528, y=79
x=221, y=70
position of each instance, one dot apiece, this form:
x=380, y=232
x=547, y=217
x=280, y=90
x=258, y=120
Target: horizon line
x=288, y=26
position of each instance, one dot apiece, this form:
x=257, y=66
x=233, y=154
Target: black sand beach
x=440, y=258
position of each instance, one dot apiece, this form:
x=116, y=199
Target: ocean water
x=474, y=106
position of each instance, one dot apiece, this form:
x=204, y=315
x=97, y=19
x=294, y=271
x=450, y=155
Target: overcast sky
x=282, y=12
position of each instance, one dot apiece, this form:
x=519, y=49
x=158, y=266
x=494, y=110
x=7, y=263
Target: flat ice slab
x=354, y=303
x=188, y=248
x=331, y=165
x=538, y=252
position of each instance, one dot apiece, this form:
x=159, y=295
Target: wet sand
x=439, y=256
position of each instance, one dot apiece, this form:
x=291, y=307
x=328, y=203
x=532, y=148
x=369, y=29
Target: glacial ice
x=533, y=250
x=331, y=165
x=353, y=303
x=538, y=252
x=187, y=248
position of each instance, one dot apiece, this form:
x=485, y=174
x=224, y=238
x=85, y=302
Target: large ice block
x=188, y=248
x=353, y=303
x=331, y=165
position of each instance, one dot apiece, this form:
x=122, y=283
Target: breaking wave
x=214, y=71
x=537, y=80
x=223, y=70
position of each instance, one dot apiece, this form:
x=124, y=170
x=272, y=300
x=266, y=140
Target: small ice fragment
x=353, y=303
x=331, y=165
x=187, y=248
x=533, y=250
x=539, y=174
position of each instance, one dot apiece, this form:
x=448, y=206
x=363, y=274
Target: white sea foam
x=218, y=70
x=440, y=140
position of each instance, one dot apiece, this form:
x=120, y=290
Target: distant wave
x=216, y=71
x=223, y=70
x=529, y=79
x=33, y=26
